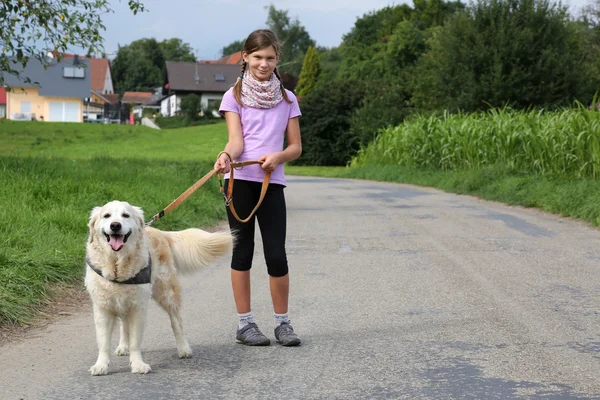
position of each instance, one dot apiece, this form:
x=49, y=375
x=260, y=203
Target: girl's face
x=262, y=62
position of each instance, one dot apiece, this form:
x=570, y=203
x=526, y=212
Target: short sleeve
x=228, y=103
x=294, y=107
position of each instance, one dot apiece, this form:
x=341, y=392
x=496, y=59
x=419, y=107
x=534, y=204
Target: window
x=25, y=107
x=219, y=77
x=74, y=72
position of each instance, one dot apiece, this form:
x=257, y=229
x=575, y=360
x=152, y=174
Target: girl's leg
x=240, y=283
x=245, y=197
x=272, y=221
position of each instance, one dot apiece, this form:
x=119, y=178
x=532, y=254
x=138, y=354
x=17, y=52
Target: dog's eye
x=125, y=215
x=107, y=215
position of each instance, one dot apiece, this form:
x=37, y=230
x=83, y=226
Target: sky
x=208, y=26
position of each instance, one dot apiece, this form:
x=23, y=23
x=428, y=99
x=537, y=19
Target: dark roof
x=211, y=77
x=51, y=80
x=98, y=68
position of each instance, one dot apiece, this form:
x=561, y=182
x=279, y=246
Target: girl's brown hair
x=258, y=40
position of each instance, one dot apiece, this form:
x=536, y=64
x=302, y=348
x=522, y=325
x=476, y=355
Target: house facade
x=2, y=103
x=209, y=81
x=55, y=93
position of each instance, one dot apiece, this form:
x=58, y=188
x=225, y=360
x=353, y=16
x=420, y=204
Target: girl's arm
x=291, y=152
x=235, y=144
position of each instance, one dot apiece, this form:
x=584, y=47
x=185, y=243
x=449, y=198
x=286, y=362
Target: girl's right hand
x=222, y=166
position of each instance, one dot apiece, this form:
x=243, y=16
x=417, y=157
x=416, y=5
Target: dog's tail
x=194, y=248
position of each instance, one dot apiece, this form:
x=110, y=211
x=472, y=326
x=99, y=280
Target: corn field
x=540, y=142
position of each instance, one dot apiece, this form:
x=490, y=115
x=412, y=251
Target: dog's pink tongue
x=116, y=242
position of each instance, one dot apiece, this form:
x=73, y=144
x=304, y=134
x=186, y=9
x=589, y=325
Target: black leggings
x=271, y=217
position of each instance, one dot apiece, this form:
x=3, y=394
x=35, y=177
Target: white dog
x=127, y=263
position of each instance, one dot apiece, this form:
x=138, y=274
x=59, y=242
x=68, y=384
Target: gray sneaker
x=250, y=335
x=285, y=335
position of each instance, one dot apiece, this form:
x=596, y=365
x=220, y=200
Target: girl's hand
x=222, y=166
x=270, y=161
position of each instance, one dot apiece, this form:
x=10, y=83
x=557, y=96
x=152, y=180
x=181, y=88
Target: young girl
x=259, y=111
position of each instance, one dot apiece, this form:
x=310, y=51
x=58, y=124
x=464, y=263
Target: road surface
x=398, y=292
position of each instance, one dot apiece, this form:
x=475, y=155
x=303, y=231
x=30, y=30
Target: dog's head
x=115, y=223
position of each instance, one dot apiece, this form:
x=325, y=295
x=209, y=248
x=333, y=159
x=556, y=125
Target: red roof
x=2, y=95
x=235, y=58
x=136, y=97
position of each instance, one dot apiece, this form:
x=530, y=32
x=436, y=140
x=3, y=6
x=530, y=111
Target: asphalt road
x=398, y=292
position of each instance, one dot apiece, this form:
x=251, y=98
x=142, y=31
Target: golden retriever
x=122, y=255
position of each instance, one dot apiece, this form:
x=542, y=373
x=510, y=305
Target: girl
x=258, y=111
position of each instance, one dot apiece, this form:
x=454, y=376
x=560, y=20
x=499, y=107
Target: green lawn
x=52, y=175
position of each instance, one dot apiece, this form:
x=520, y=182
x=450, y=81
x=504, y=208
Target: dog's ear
x=95, y=214
x=139, y=217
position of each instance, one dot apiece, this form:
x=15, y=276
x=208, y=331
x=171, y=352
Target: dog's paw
x=140, y=368
x=122, y=350
x=185, y=352
x=99, y=369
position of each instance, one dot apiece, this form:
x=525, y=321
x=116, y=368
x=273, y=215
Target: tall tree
x=311, y=71
x=30, y=29
x=294, y=36
x=175, y=50
x=140, y=65
x=520, y=53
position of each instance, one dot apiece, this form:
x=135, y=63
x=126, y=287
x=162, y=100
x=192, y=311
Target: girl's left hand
x=270, y=161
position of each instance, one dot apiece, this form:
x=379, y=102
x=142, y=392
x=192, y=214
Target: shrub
x=327, y=113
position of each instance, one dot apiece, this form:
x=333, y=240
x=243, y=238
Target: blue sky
x=208, y=26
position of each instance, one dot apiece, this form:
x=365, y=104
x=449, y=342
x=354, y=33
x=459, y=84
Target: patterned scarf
x=261, y=94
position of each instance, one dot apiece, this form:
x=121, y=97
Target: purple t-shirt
x=263, y=130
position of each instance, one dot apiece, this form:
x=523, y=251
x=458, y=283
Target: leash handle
x=229, y=196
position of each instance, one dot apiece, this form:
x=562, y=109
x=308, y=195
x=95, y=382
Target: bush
x=190, y=106
x=326, y=117
x=385, y=104
x=182, y=122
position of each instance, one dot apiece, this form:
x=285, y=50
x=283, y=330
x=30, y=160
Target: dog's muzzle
x=116, y=241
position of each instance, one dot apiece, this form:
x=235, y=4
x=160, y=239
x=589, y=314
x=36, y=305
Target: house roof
x=98, y=68
x=137, y=97
x=181, y=76
x=112, y=98
x=235, y=58
x=52, y=80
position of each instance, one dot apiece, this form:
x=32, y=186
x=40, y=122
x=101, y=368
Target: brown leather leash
x=227, y=196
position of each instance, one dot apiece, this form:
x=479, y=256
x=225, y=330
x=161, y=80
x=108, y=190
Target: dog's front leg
x=123, y=348
x=136, y=331
x=104, y=321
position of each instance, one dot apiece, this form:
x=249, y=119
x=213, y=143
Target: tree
x=30, y=29
x=234, y=47
x=190, y=106
x=175, y=50
x=140, y=66
x=311, y=71
x=326, y=116
x=520, y=53
x=294, y=37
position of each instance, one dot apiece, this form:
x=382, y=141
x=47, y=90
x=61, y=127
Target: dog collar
x=142, y=277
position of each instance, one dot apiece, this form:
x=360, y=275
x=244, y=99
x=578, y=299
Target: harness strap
x=142, y=277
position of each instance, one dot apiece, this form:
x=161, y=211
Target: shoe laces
x=285, y=329
x=254, y=333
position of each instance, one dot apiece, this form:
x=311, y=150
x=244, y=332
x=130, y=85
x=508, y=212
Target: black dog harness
x=142, y=277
